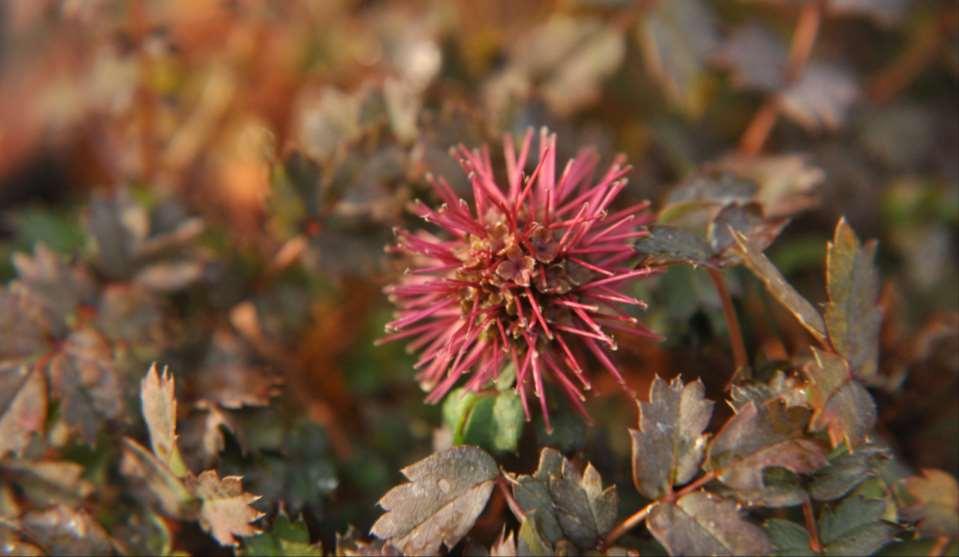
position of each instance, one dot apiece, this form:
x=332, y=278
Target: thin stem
x=922, y=49
x=807, y=512
x=514, y=507
x=701, y=481
x=803, y=40
x=740, y=356
x=940, y=546
x=625, y=526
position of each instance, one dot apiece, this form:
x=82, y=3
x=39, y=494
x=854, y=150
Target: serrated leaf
x=788, y=537
x=842, y=406
x=763, y=436
x=669, y=445
x=676, y=37
x=669, y=244
x=567, y=504
x=852, y=315
x=64, y=531
x=225, y=510
x=446, y=493
x=846, y=471
x=159, y=411
x=23, y=406
x=285, y=538
x=84, y=377
x=821, y=97
x=935, y=505
x=776, y=284
x=855, y=527
x=703, y=524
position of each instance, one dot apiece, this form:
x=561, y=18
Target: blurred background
x=228, y=172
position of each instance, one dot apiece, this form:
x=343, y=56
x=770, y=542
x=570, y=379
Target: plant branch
x=740, y=357
x=807, y=512
x=503, y=485
x=803, y=40
x=940, y=546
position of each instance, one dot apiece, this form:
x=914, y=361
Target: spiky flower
x=530, y=275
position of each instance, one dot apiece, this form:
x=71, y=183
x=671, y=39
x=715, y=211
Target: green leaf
x=935, y=505
x=676, y=38
x=530, y=540
x=763, y=436
x=842, y=405
x=852, y=316
x=286, y=538
x=855, y=527
x=846, y=471
x=703, y=524
x=788, y=537
x=567, y=504
x=776, y=284
x=23, y=406
x=446, y=493
x=669, y=445
x=493, y=421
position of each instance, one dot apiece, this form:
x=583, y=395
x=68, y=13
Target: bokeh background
x=270, y=146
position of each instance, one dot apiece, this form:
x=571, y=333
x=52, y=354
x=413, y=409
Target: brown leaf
x=159, y=411
x=669, y=445
x=842, y=405
x=446, y=493
x=935, y=504
x=52, y=289
x=230, y=376
x=84, y=378
x=23, y=406
x=703, y=524
x=225, y=510
x=853, y=317
x=776, y=284
x=21, y=335
x=64, y=531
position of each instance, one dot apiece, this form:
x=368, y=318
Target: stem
x=909, y=64
x=803, y=39
x=740, y=356
x=807, y=513
x=634, y=519
x=625, y=526
x=514, y=507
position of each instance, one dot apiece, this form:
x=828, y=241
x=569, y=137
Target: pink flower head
x=529, y=275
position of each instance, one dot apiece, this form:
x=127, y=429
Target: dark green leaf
x=446, y=493
x=855, y=527
x=846, y=471
x=285, y=538
x=669, y=445
x=788, y=537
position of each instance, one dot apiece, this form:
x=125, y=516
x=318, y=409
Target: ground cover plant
x=479, y=278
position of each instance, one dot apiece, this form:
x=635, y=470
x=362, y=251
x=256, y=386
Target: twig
x=803, y=40
x=909, y=64
x=814, y=544
x=740, y=357
x=701, y=481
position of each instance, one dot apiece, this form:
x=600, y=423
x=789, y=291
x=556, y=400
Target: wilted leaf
x=846, y=471
x=669, y=445
x=936, y=503
x=755, y=57
x=84, y=377
x=759, y=437
x=285, y=538
x=821, y=97
x=567, y=504
x=676, y=38
x=23, y=406
x=446, y=493
x=703, y=524
x=776, y=284
x=64, y=531
x=855, y=527
x=842, y=405
x=225, y=510
x=49, y=482
x=669, y=244
x=159, y=411
x=852, y=315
